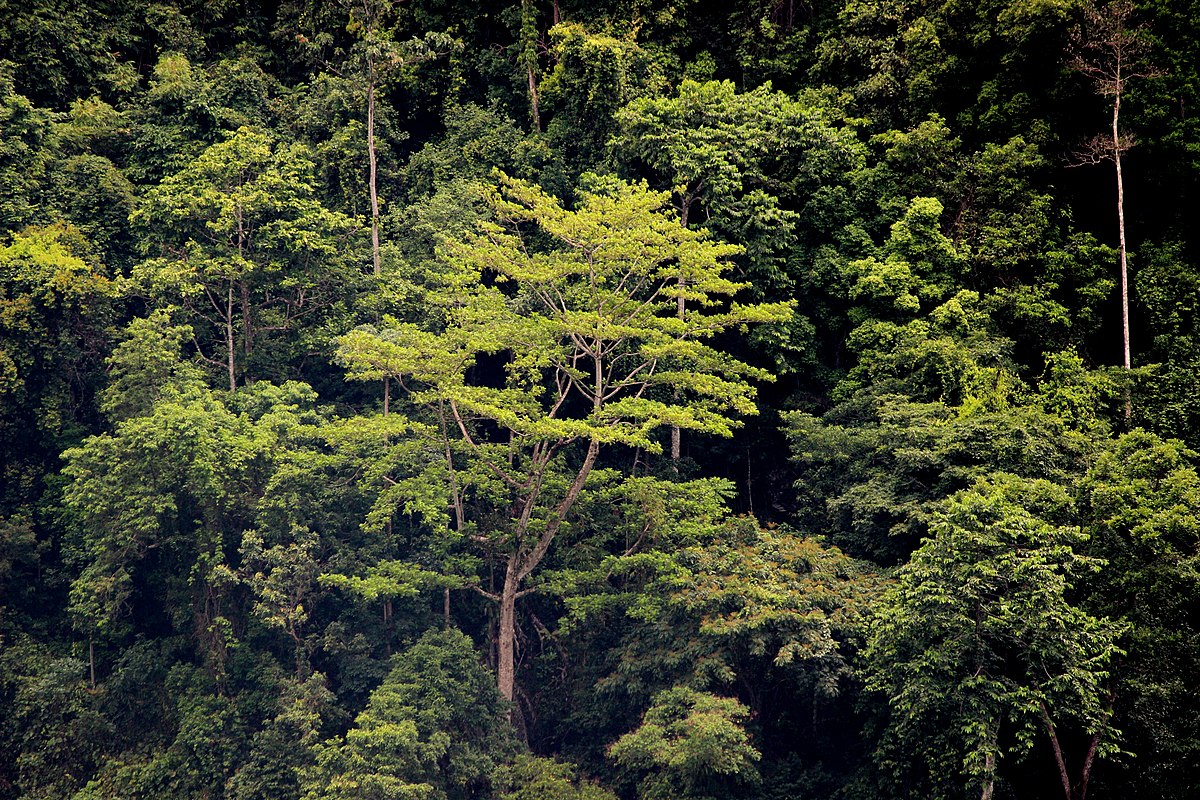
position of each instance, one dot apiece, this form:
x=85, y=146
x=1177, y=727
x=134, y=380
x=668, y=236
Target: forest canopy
x=433, y=400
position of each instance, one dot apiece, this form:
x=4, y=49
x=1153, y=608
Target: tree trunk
x=989, y=779
x=1116, y=137
x=376, y=258
x=533, y=99
x=676, y=442
x=506, y=635
x=520, y=564
x=230, y=349
x=529, y=35
x=1064, y=774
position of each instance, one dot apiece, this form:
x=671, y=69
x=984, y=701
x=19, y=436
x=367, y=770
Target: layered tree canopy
x=434, y=400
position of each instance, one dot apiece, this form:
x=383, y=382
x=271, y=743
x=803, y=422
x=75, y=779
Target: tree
x=723, y=155
x=690, y=744
x=532, y=778
x=240, y=239
x=980, y=644
x=433, y=730
x=1110, y=52
x=55, y=303
x=381, y=58
x=559, y=335
x=1141, y=499
x=24, y=129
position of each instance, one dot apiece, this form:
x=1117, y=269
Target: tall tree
x=240, y=239
x=980, y=645
x=1110, y=51
x=560, y=335
x=381, y=59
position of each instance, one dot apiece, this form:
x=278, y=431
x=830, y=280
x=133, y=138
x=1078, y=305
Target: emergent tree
x=556, y=332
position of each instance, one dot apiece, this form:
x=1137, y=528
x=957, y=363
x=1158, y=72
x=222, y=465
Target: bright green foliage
x=939, y=357
x=690, y=745
x=55, y=303
x=244, y=244
x=597, y=313
x=1142, y=498
x=532, y=778
x=980, y=646
x=1043, y=282
x=433, y=729
x=594, y=352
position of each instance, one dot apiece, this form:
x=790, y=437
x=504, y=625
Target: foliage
x=980, y=640
x=693, y=742
x=329, y=330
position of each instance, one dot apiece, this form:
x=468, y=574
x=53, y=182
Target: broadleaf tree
x=980, y=645
x=555, y=333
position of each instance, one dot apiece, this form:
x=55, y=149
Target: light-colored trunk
x=506, y=635
x=1116, y=136
x=533, y=99
x=989, y=779
x=676, y=439
x=376, y=257
x=230, y=348
x=1064, y=774
x=521, y=563
x=529, y=56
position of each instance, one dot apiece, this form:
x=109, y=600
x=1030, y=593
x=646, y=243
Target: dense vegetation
x=586, y=400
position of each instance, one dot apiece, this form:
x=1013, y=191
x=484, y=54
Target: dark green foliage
x=434, y=728
x=978, y=647
x=941, y=560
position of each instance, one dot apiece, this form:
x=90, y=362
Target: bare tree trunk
x=1088, y=760
x=533, y=99
x=1064, y=774
x=520, y=564
x=376, y=258
x=1110, y=51
x=529, y=35
x=506, y=635
x=230, y=348
x=1124, y=258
